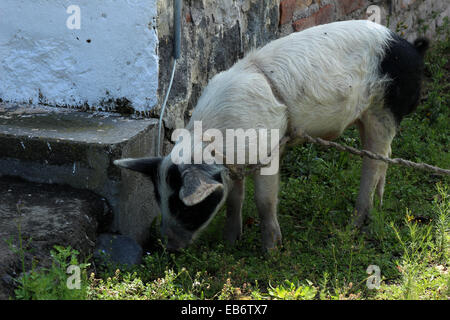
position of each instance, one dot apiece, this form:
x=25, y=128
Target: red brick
x=302, y=4
x=325, y=14
x=304, y=23
x=287, y=8
x=406, y=3
x=188, y=18
x=348, y=6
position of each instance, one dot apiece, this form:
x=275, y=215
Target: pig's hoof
x=232, y=237
x=274, y=242
x=359, y=219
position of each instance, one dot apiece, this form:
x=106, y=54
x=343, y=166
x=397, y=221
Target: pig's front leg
x=233, y=223
x=266, y=198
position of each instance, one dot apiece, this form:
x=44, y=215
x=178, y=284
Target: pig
x=319, y=81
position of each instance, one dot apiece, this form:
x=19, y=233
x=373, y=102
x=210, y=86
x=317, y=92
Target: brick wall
x=410, y=18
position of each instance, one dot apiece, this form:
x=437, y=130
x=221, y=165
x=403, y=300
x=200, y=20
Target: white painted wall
x=39, y=53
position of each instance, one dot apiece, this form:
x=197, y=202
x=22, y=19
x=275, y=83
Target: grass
x=322, y=257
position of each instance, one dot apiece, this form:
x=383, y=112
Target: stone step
x=69, y=147
x=42, y=216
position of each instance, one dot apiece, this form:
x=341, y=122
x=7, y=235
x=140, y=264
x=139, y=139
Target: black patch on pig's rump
x=403, y=64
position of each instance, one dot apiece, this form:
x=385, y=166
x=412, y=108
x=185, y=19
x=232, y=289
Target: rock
x=117, y=250
x=43, y=216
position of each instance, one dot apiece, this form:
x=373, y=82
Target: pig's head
x=189, y=195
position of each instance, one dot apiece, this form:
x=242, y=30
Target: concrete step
x=41, y=216
x=69, y=147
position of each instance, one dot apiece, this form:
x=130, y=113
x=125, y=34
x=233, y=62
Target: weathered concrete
x=42, y=216
x=63, y=146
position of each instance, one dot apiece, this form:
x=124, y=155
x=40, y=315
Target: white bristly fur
x=319, y=80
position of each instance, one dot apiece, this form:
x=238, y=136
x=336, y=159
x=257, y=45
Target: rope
x=163, y=108
x=239, y=172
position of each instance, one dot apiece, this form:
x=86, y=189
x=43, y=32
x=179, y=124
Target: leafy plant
x=290, y=291
x=52, y=283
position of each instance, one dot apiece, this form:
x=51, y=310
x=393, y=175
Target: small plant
x=227, y=291
x=412, y=260
x=21, y=249
x=52, y=283
x=48, y=283
x=442, y=222
x=401, y=27
x=129, y=286
x=290, y=291
x=420, y=249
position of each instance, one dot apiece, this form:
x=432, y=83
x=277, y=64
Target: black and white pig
x=320, y=81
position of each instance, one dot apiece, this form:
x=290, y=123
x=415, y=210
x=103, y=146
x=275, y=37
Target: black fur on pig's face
x=188, y=195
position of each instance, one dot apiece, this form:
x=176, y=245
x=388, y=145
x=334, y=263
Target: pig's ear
x=197, y=185
x=146, y=166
